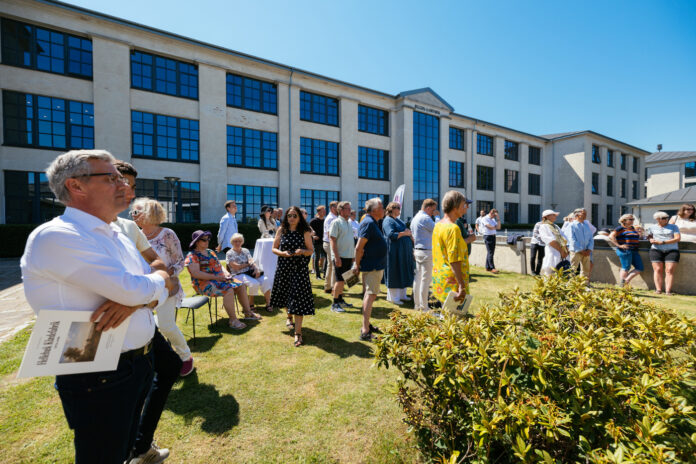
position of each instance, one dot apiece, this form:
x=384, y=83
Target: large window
x=250, y=199
x=595, y=213
x=610, y=186
x=534, y=184
x=426, y=158
x=690, y=169
x=595, y=183
x=163, y=75
x=310, y=199
x=610, y=215
x=512, y=181
x=484, y=206
x=456, y=138
x=181, y=200
x=28, y=198
x=484, y=144
x=251, y=148
x=512, y=150
x=251, y=94
x=622, y=159
x=535, y=155
x=511, y=213
x=635, y=190
x=373, y=163
x=318, y=108
x=47, y=122
x=318, y=157
x=533, y=213
x=164, y=137
x=610, y=158
x=373, y=120
x=44, y=49
x=596, y=157
x=484, y=178
x=456, y=174
x=635, y=164
x=623, y=188
x=363, y=197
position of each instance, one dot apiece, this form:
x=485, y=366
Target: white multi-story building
x=219, y=124
x=668, y=171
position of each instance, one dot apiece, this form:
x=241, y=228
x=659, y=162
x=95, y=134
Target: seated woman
x=241, y=266
x=267, y=224
x=210, y=279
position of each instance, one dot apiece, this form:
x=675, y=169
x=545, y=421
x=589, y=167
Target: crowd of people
x=127, y=270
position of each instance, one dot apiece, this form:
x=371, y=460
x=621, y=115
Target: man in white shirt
x=479, y=227
x=329, y=277
x=354, y=224
x=80, y=261
x=422, y=227
x=342, y=252
x=489, y=224
x=228, y=226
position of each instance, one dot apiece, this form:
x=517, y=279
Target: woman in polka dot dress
x=292, y=288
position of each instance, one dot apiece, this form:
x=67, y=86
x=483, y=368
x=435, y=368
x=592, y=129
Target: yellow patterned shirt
x=448, y=247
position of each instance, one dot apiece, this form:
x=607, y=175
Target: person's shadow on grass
x=335, y=345
x=203, y=344
x=194, y=399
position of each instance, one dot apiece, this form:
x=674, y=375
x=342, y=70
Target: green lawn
x=254, y=398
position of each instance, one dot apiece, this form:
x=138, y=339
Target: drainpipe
x=290, y=138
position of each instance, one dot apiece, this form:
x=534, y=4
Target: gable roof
x=426, y=90
x=685, y=195
x=563, y=135
x=669, y=155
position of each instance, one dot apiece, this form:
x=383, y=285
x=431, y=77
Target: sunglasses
x=135, y=213
x=204, y=239
x=292, y=216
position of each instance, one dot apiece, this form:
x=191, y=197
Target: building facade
x=667, y=171
x=203, y=124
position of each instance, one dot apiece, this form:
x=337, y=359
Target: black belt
x=132, y=354
x=423, y=249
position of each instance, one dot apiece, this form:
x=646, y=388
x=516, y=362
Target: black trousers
x=318, y=254
x=167, y=368
x=103, y=408
x=537, y=253
x=489, y=240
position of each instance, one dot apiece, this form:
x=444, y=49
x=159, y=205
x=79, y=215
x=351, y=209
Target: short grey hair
x=74, y=163
x=372, y=203
x=660, y=214
x=578, y=211
x=153, y=212
x=236, y=236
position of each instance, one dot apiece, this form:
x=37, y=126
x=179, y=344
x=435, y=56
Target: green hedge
x=14, y=236
x=561, y=374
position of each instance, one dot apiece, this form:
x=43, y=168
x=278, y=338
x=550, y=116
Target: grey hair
x=73, y=163
x=236, y=236
x=578, y=211
x=660, y=214
x=372, y=203
x=153, y=212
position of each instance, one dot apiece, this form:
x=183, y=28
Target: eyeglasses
x=688, y=209
x=629, y=219
x=204, y=239
x=114, y=179
x=663, y=218
x=135, y=212
x=292, y=216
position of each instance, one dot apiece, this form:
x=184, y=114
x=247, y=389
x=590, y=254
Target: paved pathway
x=15, y=313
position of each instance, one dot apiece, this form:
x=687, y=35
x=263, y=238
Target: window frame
x=488, y=175
x=315, y=203
x=596, y=155
x=530, y=184
x=537, y=150
x=365, y=152
x=365, y=110
x=489, y=144
x=263, y=95
x=243, y=215
x=154, y=75
x=312, y=156
x=512, y=181
x=311, y=109
x=245, y=147
x=594, y=186
x=688, y=168
x=155, y=136
x=459, y=135
x=512, y=151
x=459, y=170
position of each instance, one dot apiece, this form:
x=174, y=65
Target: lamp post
x=172, y=183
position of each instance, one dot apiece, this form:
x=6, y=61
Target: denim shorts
x=628, y=258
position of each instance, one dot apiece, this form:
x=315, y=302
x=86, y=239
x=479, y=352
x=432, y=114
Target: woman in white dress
x=556, y=243
x=149, y=214
x=685, y=219
x=241, y=266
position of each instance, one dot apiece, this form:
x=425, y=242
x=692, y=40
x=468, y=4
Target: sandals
x=237, y=324
x=252, y=316
x=289, y=324
x=269, y=308
x=298, y=339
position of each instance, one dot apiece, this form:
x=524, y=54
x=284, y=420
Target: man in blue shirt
x=371, y=259
x=422, y=227
x=228, y=227
x=580, y=243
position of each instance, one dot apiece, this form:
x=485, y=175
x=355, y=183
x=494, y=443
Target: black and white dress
x=292, y=288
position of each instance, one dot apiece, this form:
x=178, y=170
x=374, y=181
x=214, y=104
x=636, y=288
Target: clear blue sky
x=626, y=69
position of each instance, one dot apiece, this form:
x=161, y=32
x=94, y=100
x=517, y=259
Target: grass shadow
x=335, y=345
x=203, y=344
x=195, y=399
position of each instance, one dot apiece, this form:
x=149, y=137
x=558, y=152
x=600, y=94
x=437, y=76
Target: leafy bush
x=559, y=374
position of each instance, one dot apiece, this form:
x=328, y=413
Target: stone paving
x=15, y=312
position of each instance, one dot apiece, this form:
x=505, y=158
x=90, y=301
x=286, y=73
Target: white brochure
x=66, y=342
x=455, y=307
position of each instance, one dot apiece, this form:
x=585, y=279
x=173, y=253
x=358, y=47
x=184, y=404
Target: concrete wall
x=606, y=264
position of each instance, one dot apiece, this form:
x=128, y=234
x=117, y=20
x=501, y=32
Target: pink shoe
x=187, y=367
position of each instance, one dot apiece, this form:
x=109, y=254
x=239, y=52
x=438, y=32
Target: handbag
x=563, y=265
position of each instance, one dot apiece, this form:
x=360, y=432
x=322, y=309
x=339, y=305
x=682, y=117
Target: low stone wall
x=606, y=263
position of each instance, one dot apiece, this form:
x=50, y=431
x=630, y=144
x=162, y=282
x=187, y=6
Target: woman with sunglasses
x=210, y=279
x=685, y=219
x=292, y=288
x=626, y=238
x=664, y=251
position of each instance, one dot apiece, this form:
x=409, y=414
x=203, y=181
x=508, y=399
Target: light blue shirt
x=580, y=237
x=422, y=227
x=662, y=234
x=228, y=227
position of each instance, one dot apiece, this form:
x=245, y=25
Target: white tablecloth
x=264, y=257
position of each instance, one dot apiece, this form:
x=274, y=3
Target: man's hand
x=338, y=261
x=112, y=314
x=218, y=248
x=158, y=265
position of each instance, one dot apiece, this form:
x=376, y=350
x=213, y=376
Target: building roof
x=426, y=90
x=563, y=135
x=669, y=155
x=685, y=195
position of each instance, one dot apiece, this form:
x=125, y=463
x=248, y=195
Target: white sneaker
x=154, y=455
